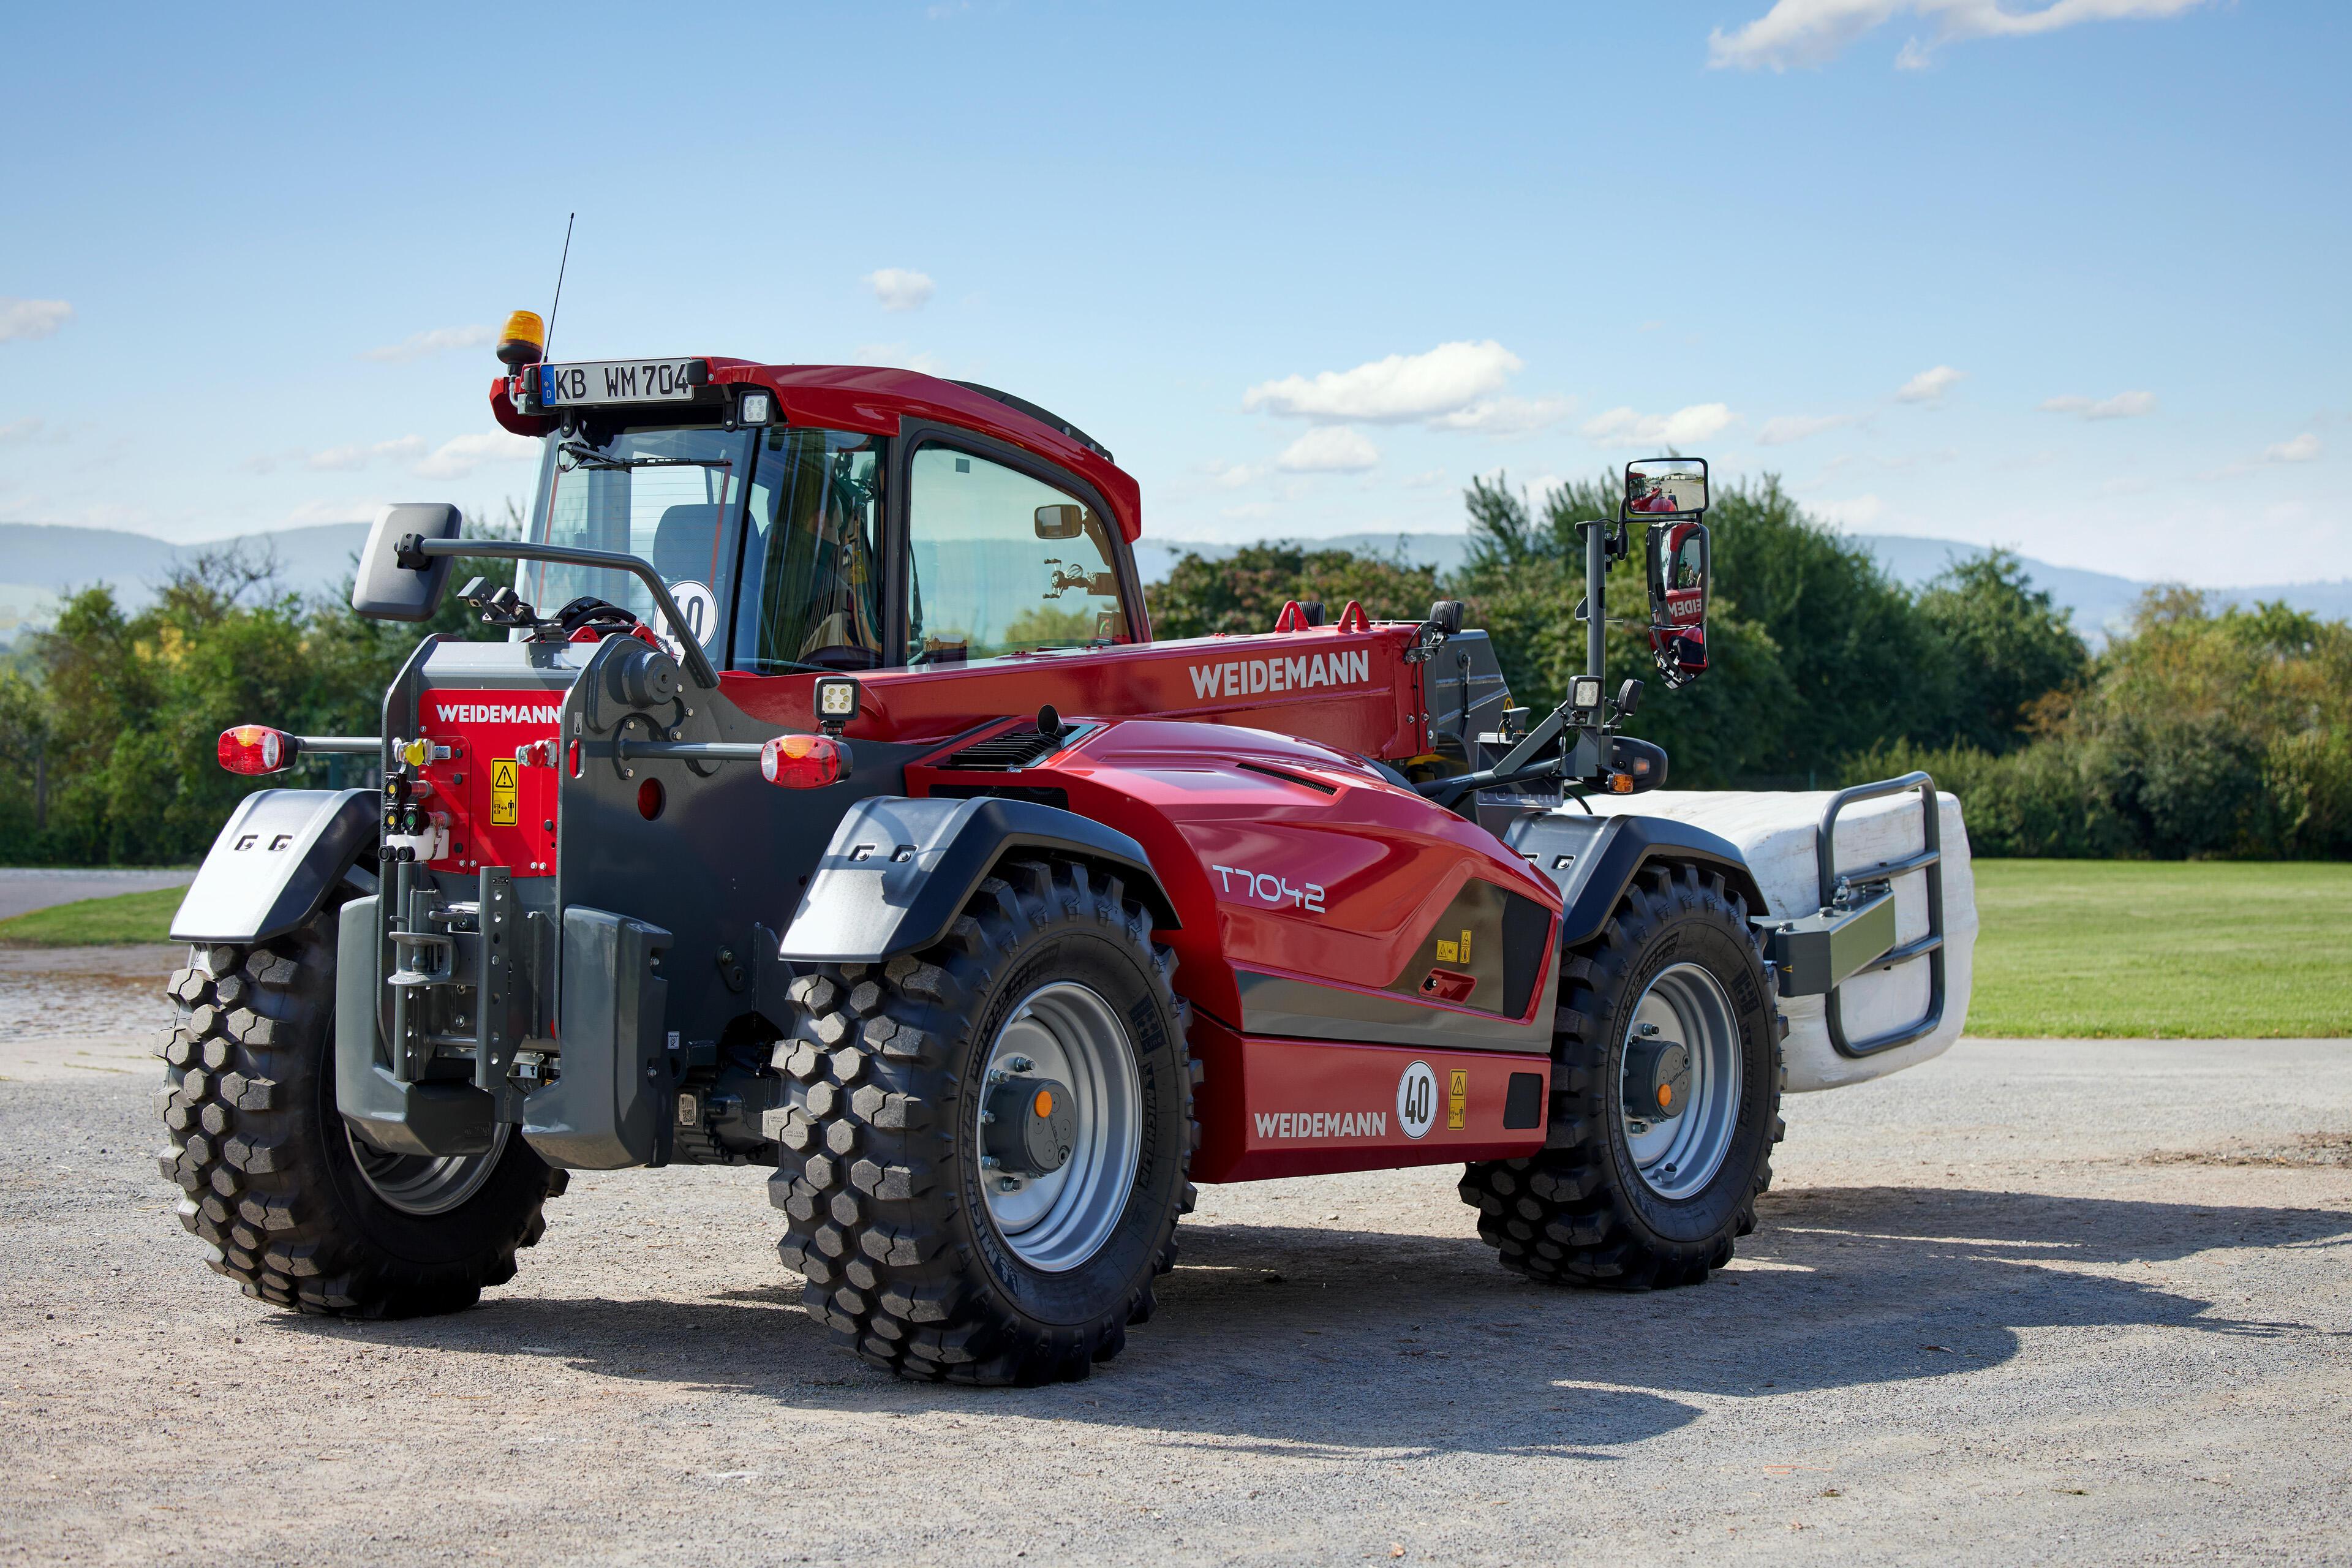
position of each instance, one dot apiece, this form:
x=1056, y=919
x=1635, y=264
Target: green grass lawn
x=97, y=923
x=2162, y=949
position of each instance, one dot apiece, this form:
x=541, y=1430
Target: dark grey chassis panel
x=897, y=872
x=273, y=866
x=1595, y=858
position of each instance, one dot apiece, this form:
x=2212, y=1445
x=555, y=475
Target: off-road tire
x=877, y=1176
x=1578, y=1212
x=259, y=1151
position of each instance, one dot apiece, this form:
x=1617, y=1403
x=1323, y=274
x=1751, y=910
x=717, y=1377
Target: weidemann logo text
x=1322, y=1123
x=1248, y=677
x=497, y=713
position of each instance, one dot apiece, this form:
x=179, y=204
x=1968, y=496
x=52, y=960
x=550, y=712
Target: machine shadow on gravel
x=1306, y=1339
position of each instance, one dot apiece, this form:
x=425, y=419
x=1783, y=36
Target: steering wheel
x=601, y=616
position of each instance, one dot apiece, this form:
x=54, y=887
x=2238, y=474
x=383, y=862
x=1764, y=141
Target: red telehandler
x=830, y=808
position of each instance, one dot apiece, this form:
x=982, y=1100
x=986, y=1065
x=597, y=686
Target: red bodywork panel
x=1298, y=867
x=1351, y=691
x=491, y=825
x=1309, y=1108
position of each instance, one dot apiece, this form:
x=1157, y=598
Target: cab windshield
x=668, y=495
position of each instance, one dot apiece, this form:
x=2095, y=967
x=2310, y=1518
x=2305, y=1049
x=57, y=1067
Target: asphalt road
x=2036, y=1301
x=24, y=890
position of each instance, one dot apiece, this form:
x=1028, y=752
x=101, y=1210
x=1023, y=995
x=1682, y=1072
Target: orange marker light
x=1665, y=1095
x=1045, y=1102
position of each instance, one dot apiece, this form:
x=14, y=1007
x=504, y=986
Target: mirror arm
x=697, y=664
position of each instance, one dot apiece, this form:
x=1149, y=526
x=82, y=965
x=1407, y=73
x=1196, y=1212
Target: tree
x=2010, y=649
x=1245, y=591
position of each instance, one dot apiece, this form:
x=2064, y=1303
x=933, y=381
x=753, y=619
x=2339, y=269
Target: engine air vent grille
x=1013, y=748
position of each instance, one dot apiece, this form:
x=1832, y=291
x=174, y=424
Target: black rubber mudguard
x=900, y=871
x=1595, y=858
x=274, y=863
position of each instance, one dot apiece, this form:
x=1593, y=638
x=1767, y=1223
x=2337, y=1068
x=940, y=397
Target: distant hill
x=2100, y=602
x=42, y=562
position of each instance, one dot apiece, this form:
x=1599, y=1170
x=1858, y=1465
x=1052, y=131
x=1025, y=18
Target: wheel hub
x=1058, y=1129
x=1680, y=1092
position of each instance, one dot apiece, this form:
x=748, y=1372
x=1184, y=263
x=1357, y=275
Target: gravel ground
x=2034, y=1301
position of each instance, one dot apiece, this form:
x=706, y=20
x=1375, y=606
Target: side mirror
x=1679, y=571
x=1062, y=520
x=1664, y=487
x=388, y=590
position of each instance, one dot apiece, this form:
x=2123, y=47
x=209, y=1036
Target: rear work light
x=257, y=749
x=803, y=761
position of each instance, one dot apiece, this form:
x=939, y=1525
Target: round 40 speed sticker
x=1417, y=1100
x=699, y=606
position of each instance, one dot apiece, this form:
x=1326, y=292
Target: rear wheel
x=291, y=1205
x=985, y=1145
x=1665, y=1099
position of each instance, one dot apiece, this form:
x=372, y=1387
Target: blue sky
x=2067, y=278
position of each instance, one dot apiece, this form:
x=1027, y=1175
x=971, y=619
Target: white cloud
x=1783, y=429
x=424, y=345
x=344, y=459
x=1231, y=476
x=1815, y=32
x=455, y=459
x=1860, y=512
x=2303, y=448
x=30, y=319
x=311, y=511
x=1451, y=380
x=1508, y=416
x=24, y=432
x=1624, y=428
x=900, y=289
x=1423, y=479
x=1330, y=449
x=1929, y=386
x=2122, y=406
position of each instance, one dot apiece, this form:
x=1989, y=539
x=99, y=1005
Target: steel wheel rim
x=425, y=1185
x=1677, y=1158
x=1055, y=1221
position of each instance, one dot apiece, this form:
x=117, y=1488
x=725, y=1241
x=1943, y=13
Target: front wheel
x=291, y=1205
x=1665, y=1099
x=985, y=1147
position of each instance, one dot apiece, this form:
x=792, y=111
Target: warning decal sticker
x=503, y=791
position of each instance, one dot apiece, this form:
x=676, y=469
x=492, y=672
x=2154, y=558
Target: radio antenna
x=559, y=266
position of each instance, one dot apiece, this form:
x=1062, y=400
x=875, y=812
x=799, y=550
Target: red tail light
x=257, y=749
x=801, y=762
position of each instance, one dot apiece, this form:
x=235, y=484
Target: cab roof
x=876, y=400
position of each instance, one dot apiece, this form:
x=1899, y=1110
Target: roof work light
x=524, y=341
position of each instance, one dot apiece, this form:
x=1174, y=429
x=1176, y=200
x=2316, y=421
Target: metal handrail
x=1929, y=859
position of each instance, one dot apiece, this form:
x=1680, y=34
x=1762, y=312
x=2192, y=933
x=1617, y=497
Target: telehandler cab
x=831, y=808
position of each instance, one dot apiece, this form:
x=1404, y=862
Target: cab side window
x=813, y=554
x=998, y=562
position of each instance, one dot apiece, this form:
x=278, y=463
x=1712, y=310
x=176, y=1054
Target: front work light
x=835, y=702
x=803, y=761
x=257, y=749
x=524, y=341
x=1585, y=692
x=756, y=408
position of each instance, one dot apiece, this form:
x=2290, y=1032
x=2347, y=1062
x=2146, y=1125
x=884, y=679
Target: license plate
x=621, y=381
